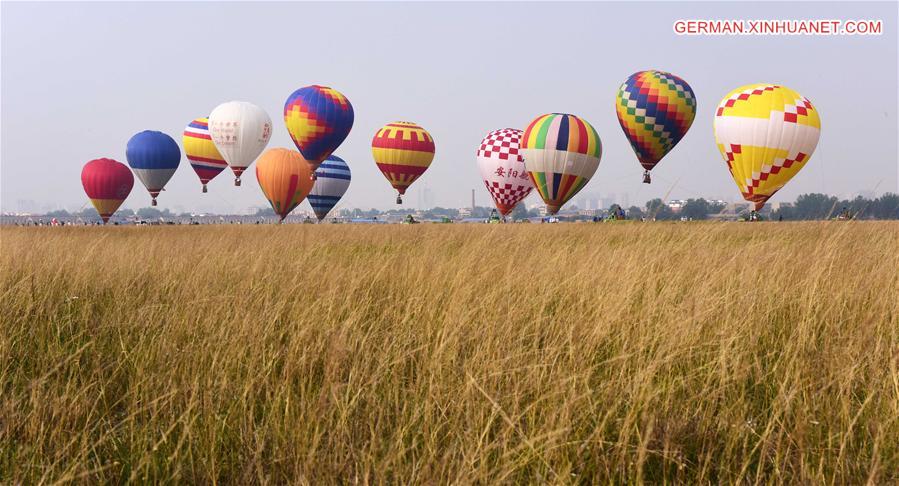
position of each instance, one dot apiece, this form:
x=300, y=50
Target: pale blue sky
x=78, y=79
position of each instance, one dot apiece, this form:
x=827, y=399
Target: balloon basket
x=204, y=188
x=646, y=178
x=153, y=202
x=237, y=181
x=399, y=199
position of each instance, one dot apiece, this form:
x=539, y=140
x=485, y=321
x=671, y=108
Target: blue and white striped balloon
x=331, y=182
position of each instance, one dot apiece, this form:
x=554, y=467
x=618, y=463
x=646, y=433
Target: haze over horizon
x=79, y=79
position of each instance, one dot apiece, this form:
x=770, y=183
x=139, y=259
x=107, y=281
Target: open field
x=443, y=353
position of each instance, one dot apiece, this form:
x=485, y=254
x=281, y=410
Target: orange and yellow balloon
x=403, y=152
x=285, y=178
x=766, y=134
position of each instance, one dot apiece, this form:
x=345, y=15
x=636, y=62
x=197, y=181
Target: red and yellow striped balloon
x=403, y=152
x=285, y=178
x=205, y=159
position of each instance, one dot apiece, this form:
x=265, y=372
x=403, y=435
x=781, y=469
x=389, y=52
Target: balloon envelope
x=154, y=157
x=655, y=110
x=332, y=178
x=205, y=159
x=403, y=152
x=766, y=134
x=502, y=168
x=107, y=183
x=318, y=119
x=285, y=178
x=240, y=131
x=561, y=153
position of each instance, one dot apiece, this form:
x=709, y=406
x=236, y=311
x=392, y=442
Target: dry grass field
x=573, y=353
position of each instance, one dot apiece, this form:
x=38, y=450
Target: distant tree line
x=90, y=214
x=822, y=206
x=695, y=209
x=520, y=212
x=807, y=207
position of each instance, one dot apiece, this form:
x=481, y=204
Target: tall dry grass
x=713, y=353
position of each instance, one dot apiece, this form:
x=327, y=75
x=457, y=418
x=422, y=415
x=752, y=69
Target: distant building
x=737, y=207
x=27, y=206
x=779, y=205
x=677, y=204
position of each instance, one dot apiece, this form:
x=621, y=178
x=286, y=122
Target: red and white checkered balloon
x=502, y=168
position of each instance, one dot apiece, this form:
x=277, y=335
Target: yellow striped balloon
x=766, y=134
x=205, y=159
x=403, y=152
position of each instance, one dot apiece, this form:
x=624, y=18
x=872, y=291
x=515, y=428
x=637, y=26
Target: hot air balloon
x=285, y=178
x=503, y=170
x=154, y=156
x=240, y=131
x=205, y=159
x=403, y=152
x=655, y=110
x=766, y=134
x=107, y=183
x=561, y=153
x=332, y=178
x=318, y=119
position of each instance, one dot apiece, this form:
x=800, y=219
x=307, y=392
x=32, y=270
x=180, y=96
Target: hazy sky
x=79, y=79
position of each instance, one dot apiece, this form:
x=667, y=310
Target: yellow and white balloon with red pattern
x=766, y=134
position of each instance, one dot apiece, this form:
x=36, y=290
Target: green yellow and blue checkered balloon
x=655, y=110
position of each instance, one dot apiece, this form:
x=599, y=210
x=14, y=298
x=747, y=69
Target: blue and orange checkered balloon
x=318, y=119
x=655, y=110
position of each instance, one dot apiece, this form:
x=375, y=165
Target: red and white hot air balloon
x=502, y=168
